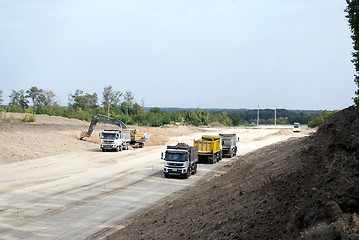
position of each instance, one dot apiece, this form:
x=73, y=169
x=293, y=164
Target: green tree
x=236, y=119
x=83, y=101
x=48, y=98
x=34, y=93
x=19, y=98
x=352, y=11
x=77, y=99
x=192, y=118
x=110, y=97
x=129, y=99
x=317, y=120
x=223, y=118
x=41, y=97
x=178, y=116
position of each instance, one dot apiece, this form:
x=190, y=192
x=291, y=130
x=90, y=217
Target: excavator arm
x=98, y=118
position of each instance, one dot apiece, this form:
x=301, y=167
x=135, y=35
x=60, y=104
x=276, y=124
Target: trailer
x=209, y=149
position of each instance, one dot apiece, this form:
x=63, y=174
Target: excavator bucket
x=82, y=135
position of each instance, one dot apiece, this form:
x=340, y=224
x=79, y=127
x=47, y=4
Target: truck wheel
x=167, y=175
x=211, y=160
x=194, y=171
x=187, y=174
x=215, y=158
x=117, y=149
x=103, y=149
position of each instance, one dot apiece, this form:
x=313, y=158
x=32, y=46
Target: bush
x=29, y=118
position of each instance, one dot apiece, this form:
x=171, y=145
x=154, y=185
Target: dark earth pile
x=301, y=189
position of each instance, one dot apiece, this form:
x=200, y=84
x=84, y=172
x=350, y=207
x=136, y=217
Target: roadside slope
x=301, y=189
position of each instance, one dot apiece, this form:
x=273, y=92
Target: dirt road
x=85, y=193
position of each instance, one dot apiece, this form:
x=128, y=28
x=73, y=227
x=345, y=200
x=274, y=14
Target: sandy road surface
x=78, y=195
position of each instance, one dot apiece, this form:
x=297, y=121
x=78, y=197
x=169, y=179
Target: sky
x=200, y=53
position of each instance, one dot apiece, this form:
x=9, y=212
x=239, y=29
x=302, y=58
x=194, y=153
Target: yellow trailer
x=209, y=148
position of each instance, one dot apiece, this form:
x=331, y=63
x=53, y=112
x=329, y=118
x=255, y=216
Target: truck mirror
x=237, y=139
x=161, y=155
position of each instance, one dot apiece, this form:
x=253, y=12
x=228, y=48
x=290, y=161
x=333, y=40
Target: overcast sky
x=200, y=53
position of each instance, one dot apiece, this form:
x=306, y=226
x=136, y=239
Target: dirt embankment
x=301, y=189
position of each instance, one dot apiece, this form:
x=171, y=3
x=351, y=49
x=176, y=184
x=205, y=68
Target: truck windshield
x=109, y=136
x=175, y=157
x=226, y=142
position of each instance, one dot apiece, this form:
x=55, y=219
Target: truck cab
x=114, y=140
x=180, y=161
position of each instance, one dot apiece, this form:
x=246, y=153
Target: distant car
x=296, y=128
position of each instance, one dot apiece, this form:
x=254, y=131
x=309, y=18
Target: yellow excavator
x=137, y=140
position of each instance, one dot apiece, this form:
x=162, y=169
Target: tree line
x=123, y=106
x=352, y=11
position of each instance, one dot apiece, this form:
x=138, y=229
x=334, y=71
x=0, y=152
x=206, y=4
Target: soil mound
x=330, y=208
x=301, y=189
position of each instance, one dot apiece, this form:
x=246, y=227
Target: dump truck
x=209, y=149
x=116, y=140
x=180, y=160
x=229, y=145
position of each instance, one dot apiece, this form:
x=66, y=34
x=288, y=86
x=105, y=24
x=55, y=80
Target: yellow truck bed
x=208, y=144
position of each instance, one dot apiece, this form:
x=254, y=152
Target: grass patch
x=9, y=120
x=14, y=121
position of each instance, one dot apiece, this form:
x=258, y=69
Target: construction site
x=57, y=183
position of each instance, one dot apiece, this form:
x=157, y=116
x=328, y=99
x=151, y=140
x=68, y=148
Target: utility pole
x=258, y=116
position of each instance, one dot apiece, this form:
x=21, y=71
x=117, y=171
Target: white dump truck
x=229, y=145
x=115, y=140
x=180, y=160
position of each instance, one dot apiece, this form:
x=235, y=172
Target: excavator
x=137, y=140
